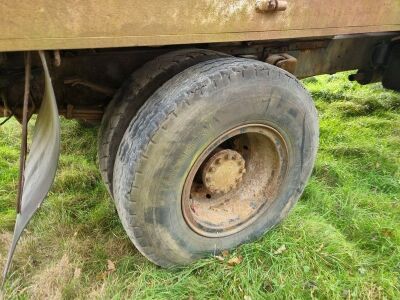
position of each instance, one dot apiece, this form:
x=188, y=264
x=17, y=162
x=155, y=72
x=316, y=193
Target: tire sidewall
x=198, y=120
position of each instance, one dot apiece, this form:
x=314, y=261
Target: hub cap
x=223, y=171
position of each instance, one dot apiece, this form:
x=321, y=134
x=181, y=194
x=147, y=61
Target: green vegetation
x=342, y=241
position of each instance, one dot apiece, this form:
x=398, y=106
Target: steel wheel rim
x=217, y=210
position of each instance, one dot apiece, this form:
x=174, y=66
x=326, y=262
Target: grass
x=342, y=241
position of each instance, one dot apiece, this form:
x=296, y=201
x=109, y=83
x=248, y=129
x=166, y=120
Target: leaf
x=77, y=273
x=101, y=276
x=225, y=253
x=247, y=297
x=110, y=269
x=321, y=247
x=110, y=266
x=386, y=232
x=362, y=270
x=235, y=261
x=220, y=258
x=280, y=250
x=312, y=285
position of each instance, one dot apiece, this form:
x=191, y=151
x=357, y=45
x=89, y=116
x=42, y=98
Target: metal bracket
x=283, y=61
x=271, y=5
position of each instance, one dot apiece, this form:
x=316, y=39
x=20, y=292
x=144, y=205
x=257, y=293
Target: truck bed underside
x=85, y=80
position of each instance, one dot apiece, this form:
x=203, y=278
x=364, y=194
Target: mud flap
x=41, y=163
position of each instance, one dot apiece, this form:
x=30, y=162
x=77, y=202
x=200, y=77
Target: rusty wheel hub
x=234, y=180
x=223, y=171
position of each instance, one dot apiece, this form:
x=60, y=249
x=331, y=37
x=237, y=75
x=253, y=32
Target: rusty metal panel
x=68, y=24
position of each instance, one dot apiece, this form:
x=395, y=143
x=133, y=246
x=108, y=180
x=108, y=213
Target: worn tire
x=177, y=122
x=131, y=96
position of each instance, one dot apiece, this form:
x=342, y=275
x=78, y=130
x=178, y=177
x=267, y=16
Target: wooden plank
x=49, y=24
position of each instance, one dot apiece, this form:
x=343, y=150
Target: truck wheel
x=217, y=156
x=131, y=96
